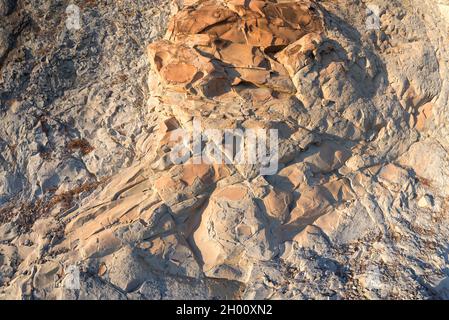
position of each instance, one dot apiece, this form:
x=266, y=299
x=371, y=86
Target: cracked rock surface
x=357, y=209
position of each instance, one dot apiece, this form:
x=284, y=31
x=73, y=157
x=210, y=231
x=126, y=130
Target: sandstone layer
x=356, y=209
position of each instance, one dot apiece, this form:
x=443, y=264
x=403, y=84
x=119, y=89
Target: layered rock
x=356, y=208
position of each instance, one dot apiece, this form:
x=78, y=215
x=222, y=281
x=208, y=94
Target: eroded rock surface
x=356, y=209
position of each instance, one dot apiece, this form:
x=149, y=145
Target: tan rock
x=429, y=161
x=102, y=244
x=347, y=224
x=311, y=237
x=315, y=202
x=300, y=53
x=291, y=177
x=188, y=181
x=393, y=176
x=326, y=157
x=213, y=29
x=345, y=101
x=277, y=204
x=46, y=275
x=268, y=24
x=102, y=270
x=170, y=254
x=425, y=202
x=424, y=117
x=229, y=225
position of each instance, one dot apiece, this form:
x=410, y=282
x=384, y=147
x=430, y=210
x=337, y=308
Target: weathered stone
x=426, y=201
x=7, y=6
x=91, y=119
x=230, y=225
x=429, y=161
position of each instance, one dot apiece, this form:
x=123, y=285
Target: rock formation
x=93, y=206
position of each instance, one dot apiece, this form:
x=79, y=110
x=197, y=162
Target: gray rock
x=5, y=42
x=7, y=7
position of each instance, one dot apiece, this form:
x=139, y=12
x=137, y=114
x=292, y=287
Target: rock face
x=105, y=195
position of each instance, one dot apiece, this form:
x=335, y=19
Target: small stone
x=426, y=201
x=102, y=270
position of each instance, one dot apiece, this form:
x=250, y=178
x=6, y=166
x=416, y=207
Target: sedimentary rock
x=105, y=195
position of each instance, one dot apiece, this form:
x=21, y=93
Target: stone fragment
x=237, y=56
x=170, y=254
x=313, y=203
x=188, y=182
x=429, y=160
x=426, y=201
x=424, y=117
x=326, y=157
x=277, y=204
x=46, y=275
x=231, y=231
x=393, y=176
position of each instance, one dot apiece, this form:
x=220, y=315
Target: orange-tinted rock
x=315, y=202
x=211, y=47
x=277, y=204
x=424, y=117
x=266, y=23
x=233, y=193
x=300, y=53
x=188, y=181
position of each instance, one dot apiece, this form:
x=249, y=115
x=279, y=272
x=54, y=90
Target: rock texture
x=91, y=207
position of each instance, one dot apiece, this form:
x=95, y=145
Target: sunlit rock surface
x=92, y=207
